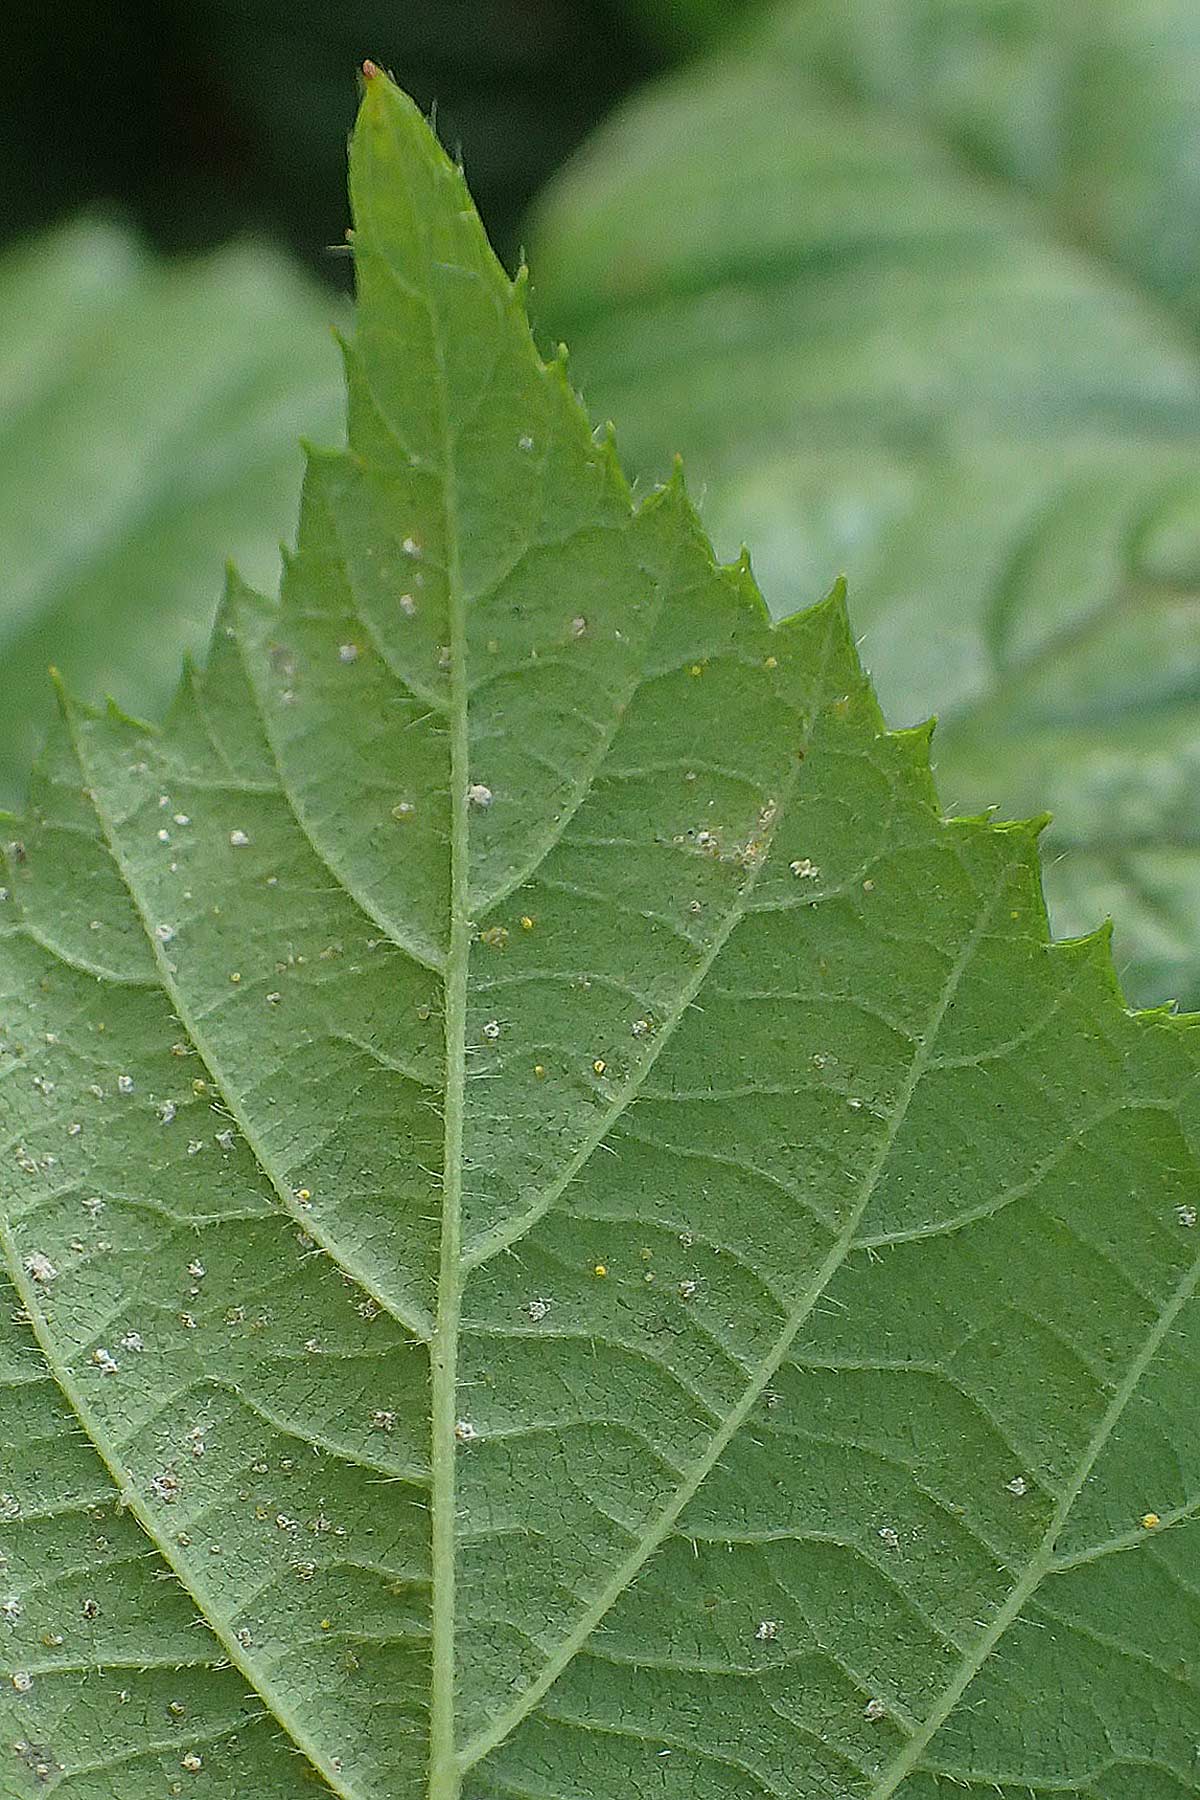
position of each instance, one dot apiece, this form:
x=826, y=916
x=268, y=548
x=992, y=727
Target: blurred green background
x=914, y=284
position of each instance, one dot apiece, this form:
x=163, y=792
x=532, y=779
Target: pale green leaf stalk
x=566, y=1235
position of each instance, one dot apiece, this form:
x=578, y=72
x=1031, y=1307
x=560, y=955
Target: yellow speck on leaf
x=539, y=1070
x=1150, y=1520
x=526, y=922
x=599, y=1065
x=772, y=662
x=600, y=1269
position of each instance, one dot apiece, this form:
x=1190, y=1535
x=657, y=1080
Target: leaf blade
x=795, y=1077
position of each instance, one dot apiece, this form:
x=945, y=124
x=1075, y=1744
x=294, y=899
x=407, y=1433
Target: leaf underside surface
x=566, y=1235
x=915, y=286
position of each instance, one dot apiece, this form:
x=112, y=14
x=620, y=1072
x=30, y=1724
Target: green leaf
x=915, y=286
x=566, y=1234
x=148, y=426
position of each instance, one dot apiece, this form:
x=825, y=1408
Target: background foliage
x=915, y=284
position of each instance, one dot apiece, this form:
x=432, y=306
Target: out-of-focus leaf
x=915, y=286
x=148, y=427
x=1089, y=108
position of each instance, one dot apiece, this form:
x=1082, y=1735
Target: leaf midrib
x=444, y=1780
